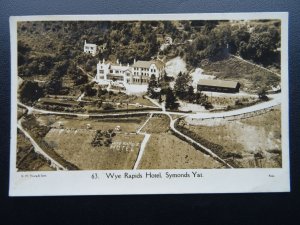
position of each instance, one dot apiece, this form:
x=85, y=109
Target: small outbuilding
x=218, y=86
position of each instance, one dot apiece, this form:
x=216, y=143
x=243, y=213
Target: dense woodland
x=54, y=49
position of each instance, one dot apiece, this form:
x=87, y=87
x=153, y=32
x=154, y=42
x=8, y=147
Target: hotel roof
x=218, y=83
x=147, y=64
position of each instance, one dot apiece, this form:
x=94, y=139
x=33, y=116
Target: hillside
x=251, y=77
x=49, y=52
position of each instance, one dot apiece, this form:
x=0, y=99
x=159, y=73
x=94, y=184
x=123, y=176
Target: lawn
x=130, y=124
x=143, y=101
x=165, y=151
x=159, y=123
x=74, y=145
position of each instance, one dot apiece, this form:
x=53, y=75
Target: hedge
x=124, y=110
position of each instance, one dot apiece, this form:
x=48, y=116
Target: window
x=101, y=71
x=111, y=71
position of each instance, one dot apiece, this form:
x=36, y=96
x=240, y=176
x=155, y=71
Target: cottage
x=168, y=40
x=218, y=86
x=90, y=48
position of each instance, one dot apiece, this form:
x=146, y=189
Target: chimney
x=117, y=61
x=127, y=64
x=103, y=60
x=84, y=42
x=134, y=61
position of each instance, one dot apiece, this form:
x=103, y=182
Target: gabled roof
x=147, y=64
x=118, y=67
x=90, y=45
x=218, y=83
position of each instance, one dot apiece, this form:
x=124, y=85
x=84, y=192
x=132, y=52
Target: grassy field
x=142, y=101
x=165, y=151
x=250, y=77
x=73, y=141
x=74, y=145
x=257, y=140
x=157, y=124
x=27, y=159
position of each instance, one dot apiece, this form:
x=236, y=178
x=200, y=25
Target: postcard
x=149, y=104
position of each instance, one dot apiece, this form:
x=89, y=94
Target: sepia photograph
x=145, y=94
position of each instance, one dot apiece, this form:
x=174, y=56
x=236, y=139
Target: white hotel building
x=138, y=73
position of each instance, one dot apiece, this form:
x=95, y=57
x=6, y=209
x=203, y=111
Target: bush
x=107, y=106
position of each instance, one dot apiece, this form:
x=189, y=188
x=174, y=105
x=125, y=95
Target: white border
x=213, y=180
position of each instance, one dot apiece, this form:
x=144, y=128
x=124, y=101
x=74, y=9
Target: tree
x=89, y=91
x=190, y=94
x=30, y=92
x=164, y=83
x=200, y=98
x=23, y=50
x=107, y=106
x=182, y=83
x=61, y=67
x=98, y=103
x=54, y=85
x=77, y=75
x=238, y=36
x=101, y=91
x=261, y=46
x=152, y=84
x=171, y=99
x=262, y=94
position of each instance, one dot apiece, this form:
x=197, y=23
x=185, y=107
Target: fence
x=238, y=116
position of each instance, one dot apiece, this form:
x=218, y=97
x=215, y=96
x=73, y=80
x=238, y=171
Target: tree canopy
x=30, y=91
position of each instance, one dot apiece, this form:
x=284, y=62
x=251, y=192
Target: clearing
x=159, y=123
x=75, y=146
x=166, y=151
x=175, y=66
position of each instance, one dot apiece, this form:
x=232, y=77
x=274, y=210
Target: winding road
x=39, y=150
x=276, y=100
